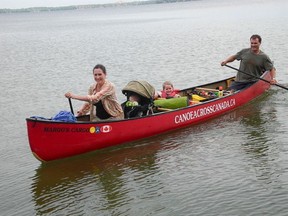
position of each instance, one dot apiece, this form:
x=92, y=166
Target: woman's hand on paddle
x=80, y=113
x=69, y=95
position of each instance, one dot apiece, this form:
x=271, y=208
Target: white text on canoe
x=188, y=116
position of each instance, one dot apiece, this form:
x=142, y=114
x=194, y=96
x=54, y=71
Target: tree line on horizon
x=76, y=7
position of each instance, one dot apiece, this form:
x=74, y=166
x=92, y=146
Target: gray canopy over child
x=144, y=93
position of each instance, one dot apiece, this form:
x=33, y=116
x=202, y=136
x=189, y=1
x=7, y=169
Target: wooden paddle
x=281, y=86
x=71, y=108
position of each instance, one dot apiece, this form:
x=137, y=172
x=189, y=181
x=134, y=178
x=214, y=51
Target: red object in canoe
x=51, y=140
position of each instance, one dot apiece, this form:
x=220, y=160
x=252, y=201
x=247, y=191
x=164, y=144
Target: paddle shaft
x=71, y=108
x=256, y=77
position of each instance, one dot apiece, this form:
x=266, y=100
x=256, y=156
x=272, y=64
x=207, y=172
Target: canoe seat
x=207, y=89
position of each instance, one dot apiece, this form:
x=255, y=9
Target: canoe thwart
x=207, y=89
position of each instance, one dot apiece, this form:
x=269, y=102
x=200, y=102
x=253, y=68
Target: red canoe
x=51, y=140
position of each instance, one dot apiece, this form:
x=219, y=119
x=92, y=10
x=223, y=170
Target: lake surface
x=236, y=164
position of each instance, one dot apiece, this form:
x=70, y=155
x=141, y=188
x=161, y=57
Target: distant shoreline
x=77, y=7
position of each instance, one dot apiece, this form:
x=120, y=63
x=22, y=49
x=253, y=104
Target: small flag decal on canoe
x=106, y=128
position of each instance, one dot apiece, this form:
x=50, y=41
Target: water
x=233, y=165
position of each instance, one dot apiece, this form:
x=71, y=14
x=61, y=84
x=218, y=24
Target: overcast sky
x=16, y=4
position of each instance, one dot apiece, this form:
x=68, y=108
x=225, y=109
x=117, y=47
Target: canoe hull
x=50, y=140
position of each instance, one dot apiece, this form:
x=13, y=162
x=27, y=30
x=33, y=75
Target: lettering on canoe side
x=56, y=130
x=188, y=116
x=65, y=130
x=92, y=130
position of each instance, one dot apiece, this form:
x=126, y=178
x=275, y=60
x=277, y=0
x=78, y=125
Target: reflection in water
x=100, y=175
x=259, y=143
x=257, y=139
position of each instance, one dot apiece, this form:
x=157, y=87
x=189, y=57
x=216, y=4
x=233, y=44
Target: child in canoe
x=168, y=91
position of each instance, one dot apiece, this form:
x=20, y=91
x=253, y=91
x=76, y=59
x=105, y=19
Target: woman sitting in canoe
x=101, y=100
x=168, y=91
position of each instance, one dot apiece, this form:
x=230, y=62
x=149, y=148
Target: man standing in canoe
x=252, y=61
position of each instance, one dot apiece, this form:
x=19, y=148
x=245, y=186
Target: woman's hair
x=100, y=66
x=167, y=83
